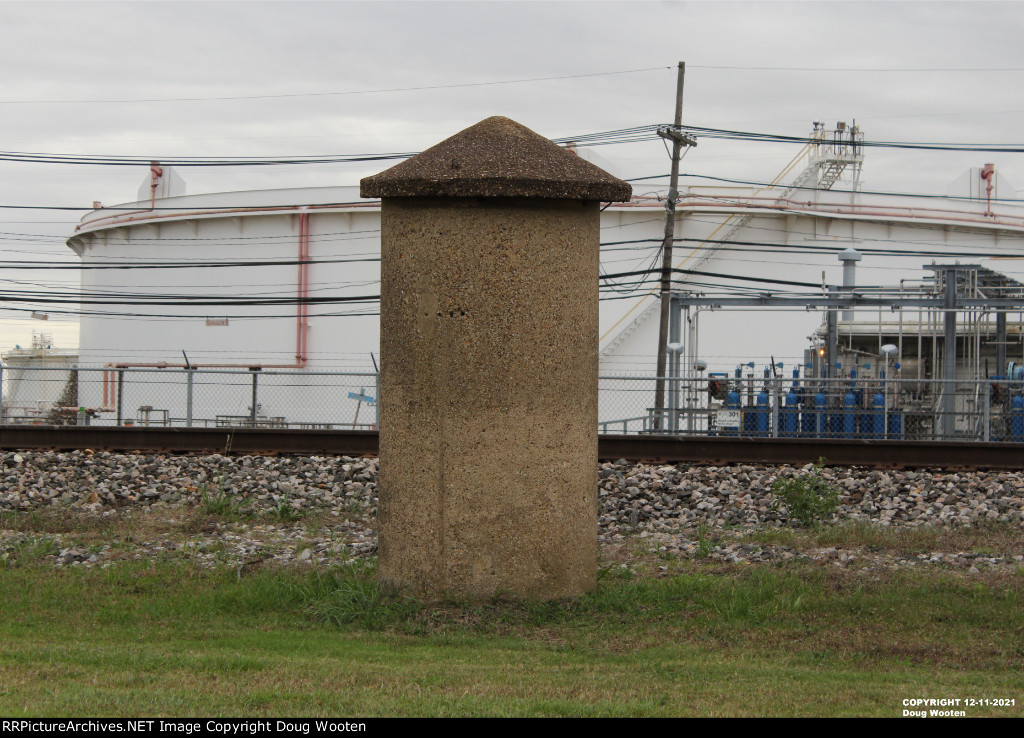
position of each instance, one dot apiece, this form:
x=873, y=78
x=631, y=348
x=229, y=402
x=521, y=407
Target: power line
x=205, y=208
x=898, y=70
x=859, y=239
x=941, y=251
x=330, y=94
x=600, y=138
x=177, y=265
x=726, y=134
x=30, y=157
x=268, y=239
x=181, y=300
x=619, y=136
x=846, y=192
x=46, y=297
x=192, y=316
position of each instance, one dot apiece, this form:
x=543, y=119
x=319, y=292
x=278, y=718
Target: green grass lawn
x=172, y=639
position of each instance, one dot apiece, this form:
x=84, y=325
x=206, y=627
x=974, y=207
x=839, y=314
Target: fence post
x=775, y=415
x=120, y=396
x=986, y=409
x=188, y=399
x=255, y=382
x=1, y=393
x=376, y=405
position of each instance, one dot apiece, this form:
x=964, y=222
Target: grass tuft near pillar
x=489, y=336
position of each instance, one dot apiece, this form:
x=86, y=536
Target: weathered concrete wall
x=489, y=336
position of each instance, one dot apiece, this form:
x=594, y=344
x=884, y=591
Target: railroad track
x=661, y=449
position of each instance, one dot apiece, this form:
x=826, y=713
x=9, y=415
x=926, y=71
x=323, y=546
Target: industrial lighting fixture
x=40, y=316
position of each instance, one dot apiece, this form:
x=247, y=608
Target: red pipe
x=155, y=173
x=987, y=175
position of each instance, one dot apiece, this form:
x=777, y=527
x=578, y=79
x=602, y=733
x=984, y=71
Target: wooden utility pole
x=679, y=139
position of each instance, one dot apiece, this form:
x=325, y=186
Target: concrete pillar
x=489, y=336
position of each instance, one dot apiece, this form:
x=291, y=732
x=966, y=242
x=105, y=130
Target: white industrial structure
x=35, y=378
x=267, y=248
x=792, y=231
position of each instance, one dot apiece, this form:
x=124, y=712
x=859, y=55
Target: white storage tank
x=266, y=248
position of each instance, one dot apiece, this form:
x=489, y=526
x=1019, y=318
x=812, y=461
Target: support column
x=674, y=347
x=120, y=397
x=1000, y=343
x=831, y=339
x=488, y=375
x=255, y=396
x=190, y=376
x=849, y=258
x=949, y=356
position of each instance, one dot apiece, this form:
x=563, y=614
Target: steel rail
x=228, y=440
x=649, y=448
x=799, y=451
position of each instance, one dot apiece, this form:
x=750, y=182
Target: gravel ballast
x=306, y=510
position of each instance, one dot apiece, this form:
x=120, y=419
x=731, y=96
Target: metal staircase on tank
x=829, y=154
x=834, y=172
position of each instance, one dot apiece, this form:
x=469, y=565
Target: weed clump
x=351, y=596
x=218, y=501
x=704, y=544
x=808, y=497
x=284, y=511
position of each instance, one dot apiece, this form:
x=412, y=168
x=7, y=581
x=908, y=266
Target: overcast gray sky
x=757, y=66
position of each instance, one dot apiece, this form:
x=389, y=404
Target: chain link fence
x=897, y=409
x=191, y=398
x=866, y=408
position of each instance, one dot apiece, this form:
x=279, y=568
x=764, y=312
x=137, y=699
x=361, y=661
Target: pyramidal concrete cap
x=497, y=157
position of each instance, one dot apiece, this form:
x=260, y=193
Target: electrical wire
x=965, y=198
x=48, y=298
x=726, y=134
x=177, y=265
x=332, y=94
x=27, y=157
x=900, y=70
x=634, y=134
x=600, y=138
